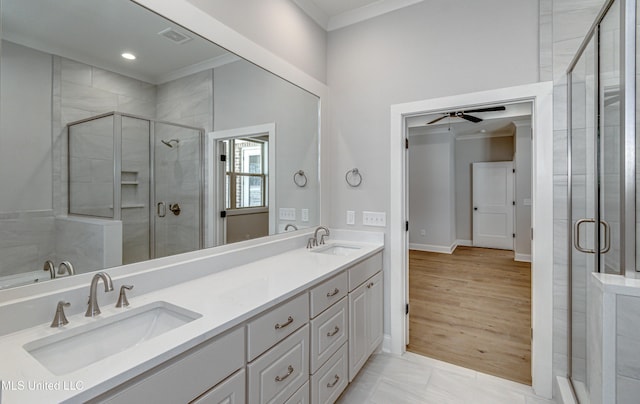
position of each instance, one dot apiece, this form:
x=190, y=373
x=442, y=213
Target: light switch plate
x=304, y=213
x=378, y=219
x=351, y=217
x=287, y=213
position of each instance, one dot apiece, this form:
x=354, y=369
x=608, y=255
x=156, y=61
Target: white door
x=493, y=199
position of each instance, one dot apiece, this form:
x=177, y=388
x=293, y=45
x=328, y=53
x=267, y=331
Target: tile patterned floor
x=412, y=378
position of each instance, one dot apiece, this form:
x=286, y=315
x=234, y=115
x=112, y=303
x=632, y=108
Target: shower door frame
x=627, y=153
x=117, y=171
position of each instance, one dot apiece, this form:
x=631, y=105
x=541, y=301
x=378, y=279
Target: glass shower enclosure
x=145, y=173
x=601, y=173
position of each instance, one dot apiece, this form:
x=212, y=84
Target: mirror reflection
x=125, y=137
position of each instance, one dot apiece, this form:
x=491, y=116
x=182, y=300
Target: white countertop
x=224, y=299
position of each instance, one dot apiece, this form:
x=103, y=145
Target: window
x=246, y=178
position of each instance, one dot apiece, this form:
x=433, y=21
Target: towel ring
x=353, y=178
x=300, y=178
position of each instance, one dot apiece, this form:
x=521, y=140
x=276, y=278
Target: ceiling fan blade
x=488, y=109
x=470, y=118
x=437, y=119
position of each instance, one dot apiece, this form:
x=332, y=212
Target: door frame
x=541, y=97
x=215, y=227
x=512, y=196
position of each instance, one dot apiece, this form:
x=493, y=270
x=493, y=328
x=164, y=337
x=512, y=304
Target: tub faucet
x=326, y=234
x=93, y=309
x=50, y=266
x=65, y=266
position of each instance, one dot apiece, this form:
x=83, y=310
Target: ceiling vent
x=175, y=36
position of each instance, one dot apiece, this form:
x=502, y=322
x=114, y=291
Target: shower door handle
x=576, y=236
x=607, y=237
x=161, y=209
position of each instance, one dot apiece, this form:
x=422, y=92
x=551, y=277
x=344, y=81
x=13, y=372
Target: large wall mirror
x=125, y=137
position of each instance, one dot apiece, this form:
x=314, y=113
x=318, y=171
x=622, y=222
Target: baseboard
x=566, y=394
x=464, y=243
x=433, y=248
x=386, y=343
x=523, y=257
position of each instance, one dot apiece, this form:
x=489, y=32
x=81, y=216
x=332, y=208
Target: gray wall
x=278, y=25
x=405, y=56
x=470, y=151
x=432, y=192
x=246, y=95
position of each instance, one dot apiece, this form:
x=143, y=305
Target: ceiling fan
x=463, y=114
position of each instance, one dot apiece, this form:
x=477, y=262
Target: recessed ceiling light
x=129, y=56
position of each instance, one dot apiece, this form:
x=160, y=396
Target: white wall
x=472, y=150
x=432, y=192
x=428, y=50
x=25, y=124
x=277, y=25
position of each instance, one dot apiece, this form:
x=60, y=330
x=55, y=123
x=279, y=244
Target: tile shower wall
x=628, y=355
x=26, y=241
x=188, y=100
x=563, y=26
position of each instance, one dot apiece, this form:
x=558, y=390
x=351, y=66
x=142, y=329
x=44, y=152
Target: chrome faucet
x=326, y=234
x=65, y=266
x=93, y=309
x=50, y=266
x=313, y=241
x=290, y=225
x=122, y=299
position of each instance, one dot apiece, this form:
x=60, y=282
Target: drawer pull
x=289, y=321
x=336, y=378
x=334, y=332
x=289, y=371
x=335, y=292
x=370, y=285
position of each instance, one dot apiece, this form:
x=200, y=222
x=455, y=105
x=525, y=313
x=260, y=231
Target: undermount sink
x=337, y=249
x=79, y=347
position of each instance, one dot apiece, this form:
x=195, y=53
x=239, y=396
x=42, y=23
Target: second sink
x=74, y=349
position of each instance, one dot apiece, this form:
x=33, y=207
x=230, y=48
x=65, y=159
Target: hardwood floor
x=473, y=309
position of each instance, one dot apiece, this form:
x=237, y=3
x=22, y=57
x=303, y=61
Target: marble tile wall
x=26, y=241
x=188, y=100
x=628, y=354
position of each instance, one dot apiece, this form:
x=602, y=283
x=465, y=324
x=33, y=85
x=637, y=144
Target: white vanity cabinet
x=365, y=312
x=230, y=391
x=329, y=332
x=190, y=375
x=283, y=332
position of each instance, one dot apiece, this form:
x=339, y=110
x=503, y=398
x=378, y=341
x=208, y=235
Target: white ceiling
x=334, y=14
x=97, y=32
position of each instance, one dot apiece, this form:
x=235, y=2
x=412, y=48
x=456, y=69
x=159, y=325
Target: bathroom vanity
x=293, y=325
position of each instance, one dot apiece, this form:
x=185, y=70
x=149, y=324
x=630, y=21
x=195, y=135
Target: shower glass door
x=177, y=189
x=583, y=197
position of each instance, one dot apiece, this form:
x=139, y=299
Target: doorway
x=470, y=306
x=540, y=95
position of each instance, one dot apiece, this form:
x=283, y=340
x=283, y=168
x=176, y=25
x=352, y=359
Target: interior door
x=493, y=200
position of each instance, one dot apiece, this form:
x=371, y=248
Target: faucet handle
x=122, y=299
x=60, y=318
x=322, y=236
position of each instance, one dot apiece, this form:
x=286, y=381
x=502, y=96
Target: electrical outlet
x=304, y=213
x=378, y=219
x=351, y=217
x=287, y=213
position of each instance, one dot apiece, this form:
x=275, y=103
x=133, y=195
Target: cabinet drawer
x=230, y=391
x=327, y=293
x=301, y=396
x=266, y=330
x=364, y=270
x=329, y=382
x=328, y=333
x=281, y=371
x=186, y=377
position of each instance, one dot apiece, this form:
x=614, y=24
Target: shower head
x=169, y=142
